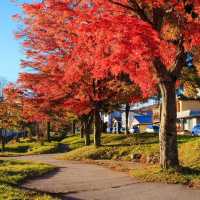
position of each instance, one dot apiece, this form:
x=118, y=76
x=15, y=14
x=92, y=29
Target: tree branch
x=134, y=7
x=139, y=11
x=158, y=15
x=161, y=72
x=121, y=4
x=180, y=59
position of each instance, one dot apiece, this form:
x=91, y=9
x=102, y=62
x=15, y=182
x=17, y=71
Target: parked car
x=152, y=129
x=196, y=130
x=134, y=129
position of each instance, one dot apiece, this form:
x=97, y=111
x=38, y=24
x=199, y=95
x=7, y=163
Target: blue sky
x=10, y=50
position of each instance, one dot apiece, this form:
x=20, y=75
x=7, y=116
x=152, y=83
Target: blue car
x=196, y=130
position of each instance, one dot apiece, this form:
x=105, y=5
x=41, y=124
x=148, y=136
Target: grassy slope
x=13, y=173
x=28, y=147
x=120, y=147
x=117, y=147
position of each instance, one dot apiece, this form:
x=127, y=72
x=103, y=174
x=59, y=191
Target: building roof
x=188, y=114
x=145, y=119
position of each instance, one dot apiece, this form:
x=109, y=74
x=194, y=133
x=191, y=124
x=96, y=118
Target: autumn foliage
x=11, y=109
x=77, y=51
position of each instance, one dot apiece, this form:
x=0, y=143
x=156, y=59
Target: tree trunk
x=40, y=133
x=88, y=129
x=119, y=127
x=32, y=130
x=82, y=129
x=48, y=131
x=37, y=131
x=97, y=128
x=127, y=115
x=17, y=139
x=87, y=138
x=87, y=134
x=3, y=144
x=168, y=135
x=73, y=127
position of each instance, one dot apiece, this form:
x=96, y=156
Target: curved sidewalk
x=78, y=181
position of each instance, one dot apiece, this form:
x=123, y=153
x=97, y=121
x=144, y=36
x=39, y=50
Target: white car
x=134, y=129
x=152, y=129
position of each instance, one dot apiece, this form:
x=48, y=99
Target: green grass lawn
x=144, y=147
x=29, y=147
x=13, y=173
x=115, y=146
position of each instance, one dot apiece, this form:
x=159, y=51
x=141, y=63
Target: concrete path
x=78, y=181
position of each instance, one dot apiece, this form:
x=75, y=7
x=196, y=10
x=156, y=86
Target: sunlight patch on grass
x=13, y=172
x=153, y=173
x=12, y=193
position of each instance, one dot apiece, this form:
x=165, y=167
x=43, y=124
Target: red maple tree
x=63, y=73
x=149, y=39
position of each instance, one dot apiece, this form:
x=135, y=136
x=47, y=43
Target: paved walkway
x=78, y=181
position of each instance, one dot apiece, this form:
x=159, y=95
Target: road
x=78, y=181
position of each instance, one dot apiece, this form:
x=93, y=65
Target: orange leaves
x=11, y=108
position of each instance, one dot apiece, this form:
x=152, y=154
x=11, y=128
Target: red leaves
x=32, y=8
x=116, y=42
x=77, y=47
